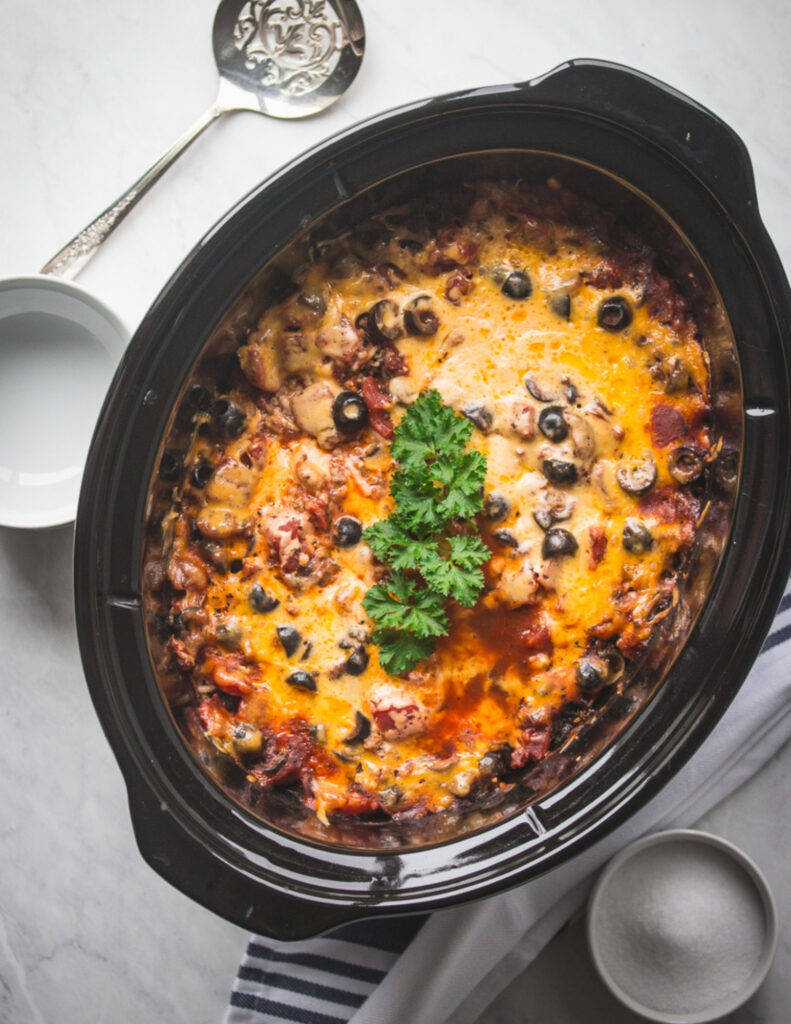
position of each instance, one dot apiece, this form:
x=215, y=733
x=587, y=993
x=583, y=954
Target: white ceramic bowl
x=682, y=927
x=59, y=347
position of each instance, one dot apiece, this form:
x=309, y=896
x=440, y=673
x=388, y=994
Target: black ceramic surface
x=613, y=125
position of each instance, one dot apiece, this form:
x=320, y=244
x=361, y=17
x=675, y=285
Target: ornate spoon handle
x=72, y=257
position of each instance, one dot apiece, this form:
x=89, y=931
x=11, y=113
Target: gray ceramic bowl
x=59, y=347
x=682, y=927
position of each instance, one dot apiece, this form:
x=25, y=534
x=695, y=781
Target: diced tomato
x=378, y=402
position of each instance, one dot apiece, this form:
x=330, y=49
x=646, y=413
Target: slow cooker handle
x=194, y=868
x=695, y=136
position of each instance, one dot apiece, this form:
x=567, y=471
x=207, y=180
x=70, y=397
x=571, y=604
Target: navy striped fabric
x=319, y=981
x=326, y=980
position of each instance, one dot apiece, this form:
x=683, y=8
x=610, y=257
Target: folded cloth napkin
x=448, y=967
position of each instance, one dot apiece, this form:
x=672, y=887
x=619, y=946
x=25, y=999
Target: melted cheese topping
x=511, y=663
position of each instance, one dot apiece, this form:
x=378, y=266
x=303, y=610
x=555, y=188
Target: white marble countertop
x=91, y=94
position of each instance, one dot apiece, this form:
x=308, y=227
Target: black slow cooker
x=683, y=179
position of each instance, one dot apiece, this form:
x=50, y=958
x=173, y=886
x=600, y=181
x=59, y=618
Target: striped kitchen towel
x=449, y=966
x=318, y=981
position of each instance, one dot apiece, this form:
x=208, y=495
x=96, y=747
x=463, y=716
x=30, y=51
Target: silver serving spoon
x=284, y=58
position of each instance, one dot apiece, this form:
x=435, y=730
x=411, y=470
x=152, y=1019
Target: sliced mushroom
x=246, y=740
x=537, y=391
x=684, y=464
x=479, y=414
x=312, y=409
x=637, y=538
x=637, y=475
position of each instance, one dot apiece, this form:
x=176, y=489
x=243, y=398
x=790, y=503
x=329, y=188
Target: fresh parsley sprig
x=437, y=489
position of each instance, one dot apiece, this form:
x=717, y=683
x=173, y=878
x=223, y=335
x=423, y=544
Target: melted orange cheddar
x=583, y=373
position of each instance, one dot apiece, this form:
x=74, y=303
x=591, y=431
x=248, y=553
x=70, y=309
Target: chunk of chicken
x=397, y=713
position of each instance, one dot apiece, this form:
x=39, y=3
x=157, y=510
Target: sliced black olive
x=637, y=476
x=684, y=465
x=362, y=324
x=479, y=414
x=308, y=649
x=558, y=542
x=170, y=465
x=537, y=391
x=197, y=398
x=552, y=425
x=560, y=304
x=592, y=673
x=246, y=740
x=544, y=518
x=495, y=506
x=361, y=731
x=517, y=285
x=349, y=412
x=637, y=537
x=419, y=316
x=260, y=601
x=314, y=301
x=201, y=474
x=357, y=662
x=302, y=679
x=236, y=565
x=347, y=532
x=505, y=537
x=290, y=638
x=385, y=321
x=227, y=419
x=559, y=472
x=615, y=314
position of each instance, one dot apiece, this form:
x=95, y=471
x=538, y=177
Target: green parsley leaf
x=468, y=552
x=458, y=576
x=463, y=477
x=428, y=430
x=438, y=480
x=417, y=499
x=400, y=651
x=392, y=543
x=404, y=603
